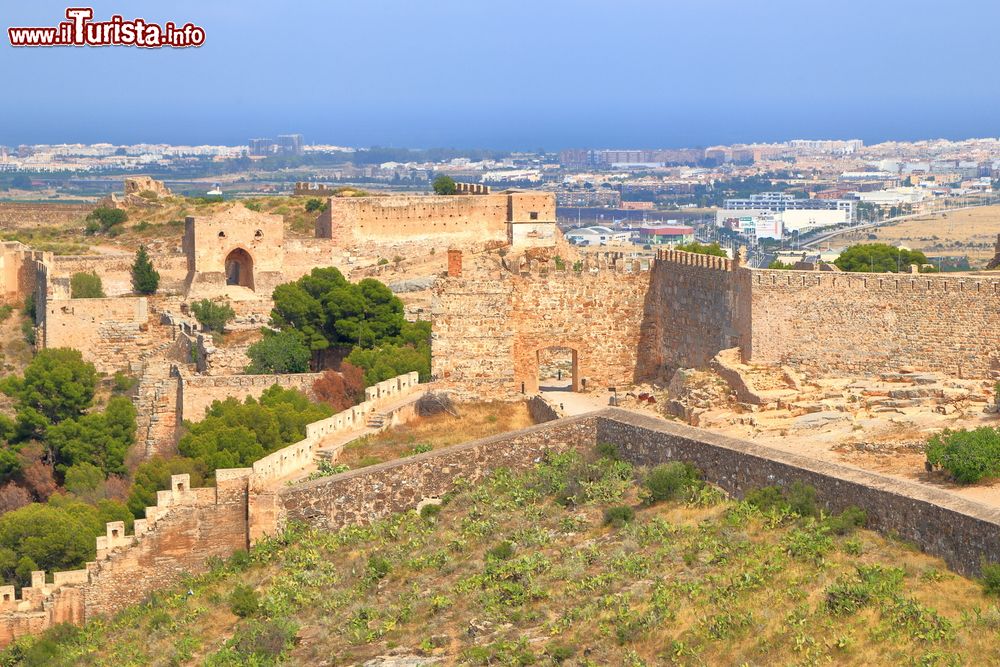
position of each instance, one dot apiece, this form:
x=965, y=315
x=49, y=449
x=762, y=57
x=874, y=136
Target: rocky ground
x=880, y=423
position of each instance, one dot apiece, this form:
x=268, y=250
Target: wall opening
x=239, y=268
x=558, y=369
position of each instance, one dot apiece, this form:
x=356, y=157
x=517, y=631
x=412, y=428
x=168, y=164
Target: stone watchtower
x=235, y=252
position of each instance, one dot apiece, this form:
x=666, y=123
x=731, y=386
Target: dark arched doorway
x=239, y=268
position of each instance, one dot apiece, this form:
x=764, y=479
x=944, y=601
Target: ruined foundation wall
x=866, y=323
x=17, y=215
x=116, y=270
x=110, y=333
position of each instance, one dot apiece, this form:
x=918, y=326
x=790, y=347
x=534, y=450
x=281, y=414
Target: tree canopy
x=58, y=384
x=235, y=434
x=444, y=185
x=712, y=248
x=279, y=352
x=211, y=315
x=329, y=311
x=878, y=258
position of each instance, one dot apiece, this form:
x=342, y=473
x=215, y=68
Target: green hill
x=553, y=567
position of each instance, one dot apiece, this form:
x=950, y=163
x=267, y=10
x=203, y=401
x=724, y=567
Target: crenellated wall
x=866, y=323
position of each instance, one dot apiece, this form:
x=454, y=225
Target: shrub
x=124, y=383
x=845, y=522
x=105, y=219
x=608, y=450
x=86, y=285
x=378, y=568
x=343, y=389
x=444, y=185
x=802, y=499
x=618, y=516
x=990, y=578
x=314, y=205
x=670, y=481
x=430, y=511
x=211, y=315
x=968, y=456
x=502, y=551
x=243, y=601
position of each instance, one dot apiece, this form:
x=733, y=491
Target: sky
x=513, y=75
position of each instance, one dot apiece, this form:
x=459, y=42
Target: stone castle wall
x=17, y=215
x=866, y=323
x=478, y=218
x=488, y=332
x=116, y=270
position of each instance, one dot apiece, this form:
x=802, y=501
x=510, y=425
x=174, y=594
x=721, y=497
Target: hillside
x=526, y=570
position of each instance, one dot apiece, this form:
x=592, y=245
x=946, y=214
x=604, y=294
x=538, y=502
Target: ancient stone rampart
x=488, y=331
x=18, y=271
x=866, y=323
x=17, y=215
x=474, y=217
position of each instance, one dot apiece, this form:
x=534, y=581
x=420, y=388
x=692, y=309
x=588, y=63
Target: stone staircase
x=156, y=407
x=376, y=420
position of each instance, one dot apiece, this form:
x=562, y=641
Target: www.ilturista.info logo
x=80, y=30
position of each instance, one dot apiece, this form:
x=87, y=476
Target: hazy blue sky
x=514, y=74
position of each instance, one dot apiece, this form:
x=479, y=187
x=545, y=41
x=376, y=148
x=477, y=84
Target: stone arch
x=239, y=268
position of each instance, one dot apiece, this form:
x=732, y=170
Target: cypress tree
x=145, y=279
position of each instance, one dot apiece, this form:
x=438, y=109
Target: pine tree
x=145, y=279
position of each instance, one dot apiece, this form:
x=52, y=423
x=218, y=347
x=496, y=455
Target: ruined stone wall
x=116, y=270
x=197, y=393
x=18, y=271
x=488, y=332
x=961, y=532
x=368, y=494
x=110, y=333
x=866, y=323
x=16, y=215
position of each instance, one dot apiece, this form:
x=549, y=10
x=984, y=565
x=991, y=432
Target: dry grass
x=971, y=232
x=478, y=420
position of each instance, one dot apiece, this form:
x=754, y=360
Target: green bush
x=86, y=285
x=212, y=316
x=618, y=516
x=802, y=499
x=670, y=481
x=105, y=219
x=145, y=279
x=279, y=352
x=378, y=568
x=314, y=205
x=502, y=551
x=243, y=601
x=967, y=456
x=430, y=511
x=990, y=578
x=847, y=521
x=444, y=185
x=608, y=450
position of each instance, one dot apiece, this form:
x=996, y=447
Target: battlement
x=697, y=259
x=896, y=282
x=471, y=189
x=604, y=262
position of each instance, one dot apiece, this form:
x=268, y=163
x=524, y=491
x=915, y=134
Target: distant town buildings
x=287, y=144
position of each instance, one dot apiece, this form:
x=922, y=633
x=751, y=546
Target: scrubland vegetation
x=582, y=560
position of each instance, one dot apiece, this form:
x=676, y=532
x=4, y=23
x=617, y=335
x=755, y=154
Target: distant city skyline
x=521, y=76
